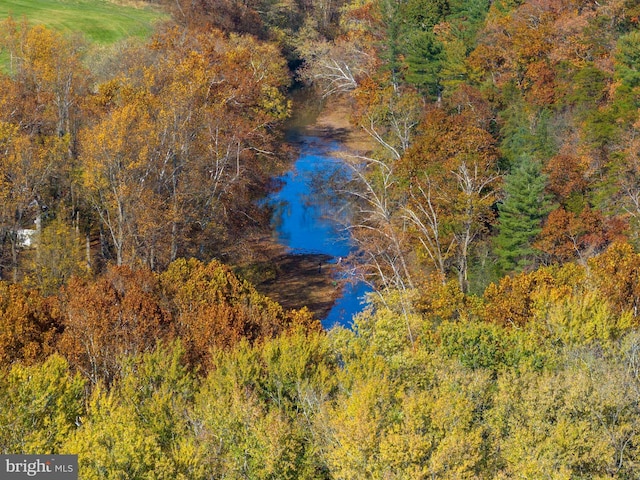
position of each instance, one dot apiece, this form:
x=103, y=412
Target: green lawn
x=101, y=21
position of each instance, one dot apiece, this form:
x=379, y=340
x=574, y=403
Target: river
x=308, y=219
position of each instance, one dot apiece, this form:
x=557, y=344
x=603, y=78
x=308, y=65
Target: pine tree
x=420, y=48
x=423, y=54
x=521, y=215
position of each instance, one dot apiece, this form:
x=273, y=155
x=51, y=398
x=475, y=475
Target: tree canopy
x=495, y=214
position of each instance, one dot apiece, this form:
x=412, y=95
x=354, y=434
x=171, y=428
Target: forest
x=496, y=215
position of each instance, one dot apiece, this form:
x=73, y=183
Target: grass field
x=101, y=21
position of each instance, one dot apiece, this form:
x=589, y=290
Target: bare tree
x=378, y=230
x=335, y=67
x=425, y=213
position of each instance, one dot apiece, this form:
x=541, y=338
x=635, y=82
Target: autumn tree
x=41, y=99
x=336, y=67
x=623, y=167
x=214, y=309
x=114, y=444
x=523, y=43
x=512, y=300
x=29, y=325
x=567, y=180
x=48, y=70
x=614, y=272
x=115, y=315
x=118, y=177
x=452, y=173
x=40, y=406
x=141, y=425
x=259, y=404
x=30, y=171
x=175, y=162
x=556, y=421
x=566, y=236
x=375, y=228
x=60, y=253
x=389, y=116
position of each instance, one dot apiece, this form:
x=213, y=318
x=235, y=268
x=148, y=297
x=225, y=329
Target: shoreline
x=330, y=119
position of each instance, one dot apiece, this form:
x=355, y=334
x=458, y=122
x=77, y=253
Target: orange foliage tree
x=452, y=174
x=49, y=76
x=526, y=45
x=512, y=300
x=566, y=236
x=616, y=274
x=115, y=315
x=183, y=143
x=214, y=309
x=610, y=279
x=126, y=311
x=40, y=99
x=29, y=325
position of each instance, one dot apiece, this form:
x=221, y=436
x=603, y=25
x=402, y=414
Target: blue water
x=307, y=219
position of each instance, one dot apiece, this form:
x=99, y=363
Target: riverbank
x=303, y=280
x=334, y=122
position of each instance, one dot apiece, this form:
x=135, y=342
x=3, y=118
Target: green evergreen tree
x=390, y=53
x=526, y=133
x=521, y=215
x=423, y=54
x=469, y=17
x=419, y=47
x=627, y=73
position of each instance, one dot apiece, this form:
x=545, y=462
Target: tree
x=424, y=56
x=521, y=44
x=40, y=406
x=220, y=14
x=214, y=309
x=29, y=325
x=355, y=423
x=258, y=406
x=115, y=315
x=454, y=70
x=566, y=236
x=615, y=273
x=452, y=174
x=119, y=179
x=51, y=77
x=578, y=419
x=141, y=427
x=417, y=44
x=389, y=116
x=174, y=164
x=30, y=171
x=38, y=124
x=112, y=444
x=338, y=67
x=526, y=132
x=520, y=215
x=429, y=218
x=512, y=300
x=60, y=253
x=626, y=72
x=567, y=179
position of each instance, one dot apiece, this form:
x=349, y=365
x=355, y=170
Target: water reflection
x=310, y=218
